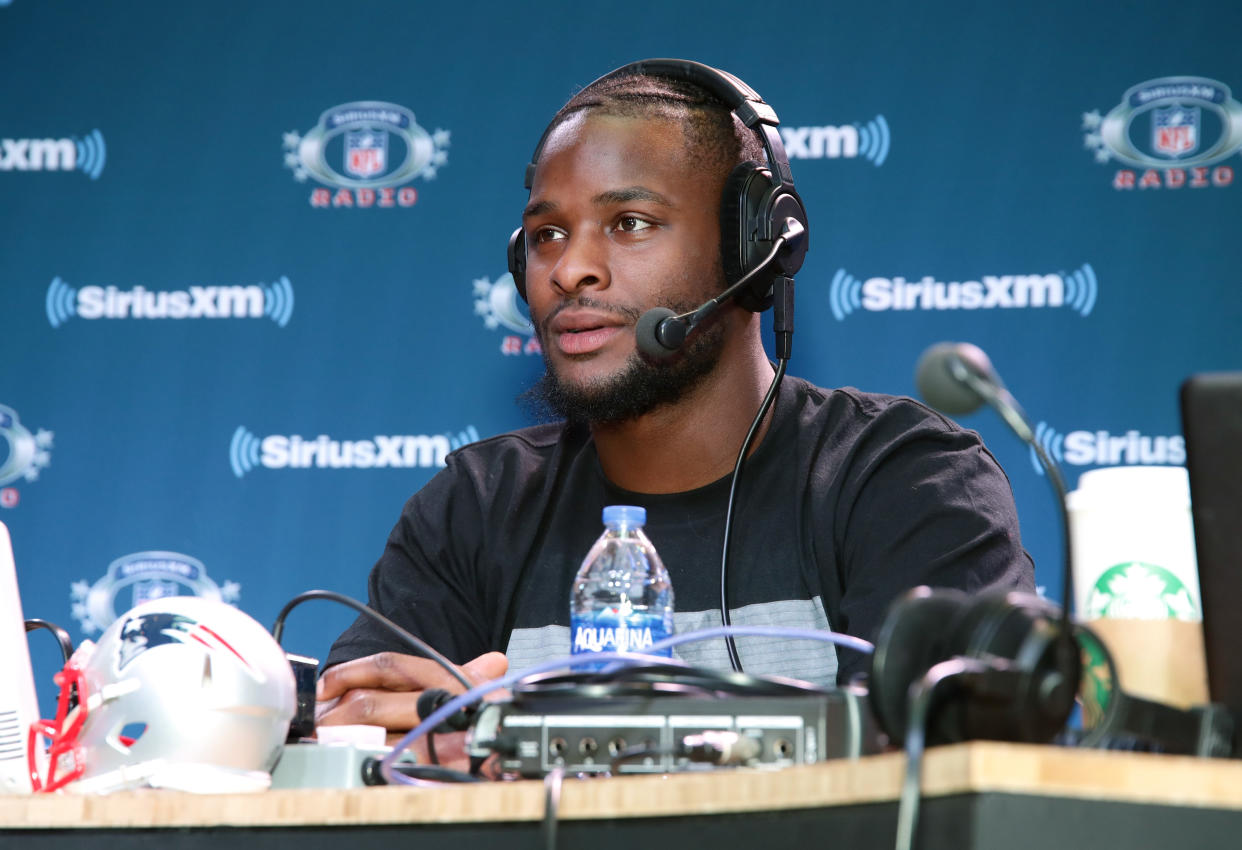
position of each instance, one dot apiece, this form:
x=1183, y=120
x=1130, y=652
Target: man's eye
x=548, y=234
x=632, y=224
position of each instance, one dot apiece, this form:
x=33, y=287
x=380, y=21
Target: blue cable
x=476, y=693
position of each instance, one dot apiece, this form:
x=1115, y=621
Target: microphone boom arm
x=993, y=393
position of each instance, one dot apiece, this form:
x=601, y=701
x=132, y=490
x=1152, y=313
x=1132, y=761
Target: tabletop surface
x=977, y=767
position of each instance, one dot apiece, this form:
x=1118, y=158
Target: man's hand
x=383, y=690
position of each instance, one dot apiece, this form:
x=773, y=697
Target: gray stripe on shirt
x=809, y=660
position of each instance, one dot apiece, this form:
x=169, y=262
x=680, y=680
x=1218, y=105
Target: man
x=847, y=499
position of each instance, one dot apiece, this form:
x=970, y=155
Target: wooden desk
x=983, y=795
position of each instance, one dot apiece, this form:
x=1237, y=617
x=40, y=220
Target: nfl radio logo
x=1175, y=130
x=366, y=152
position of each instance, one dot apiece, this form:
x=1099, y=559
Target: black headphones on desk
x=757, y=200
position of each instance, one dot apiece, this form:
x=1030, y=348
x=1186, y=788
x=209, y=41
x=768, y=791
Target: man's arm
x=425, y=582
x=383, y=690
x=426, y=578
x=933, y=507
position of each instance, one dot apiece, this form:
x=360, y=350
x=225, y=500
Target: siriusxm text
x=38, y=155
x=197, y=302
x=397, y=450
x=827, y=142
x=992, y=291
x=1084, y=448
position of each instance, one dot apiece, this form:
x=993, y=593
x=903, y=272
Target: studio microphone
x=1021, y=661
x=1002, y=666
x=957, y=378
x=660, y=332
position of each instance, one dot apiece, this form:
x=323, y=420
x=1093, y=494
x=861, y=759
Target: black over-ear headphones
x=757, y=199
x=1026, y=692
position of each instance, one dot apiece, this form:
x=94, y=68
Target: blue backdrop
x=253, y=282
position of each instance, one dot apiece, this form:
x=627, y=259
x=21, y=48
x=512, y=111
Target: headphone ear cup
x=916, y=635
x=1021, y=631
x=517, y=261
x=745, y=195
x=1014, y=631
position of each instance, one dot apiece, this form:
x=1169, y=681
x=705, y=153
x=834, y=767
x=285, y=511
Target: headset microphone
x=660, y=332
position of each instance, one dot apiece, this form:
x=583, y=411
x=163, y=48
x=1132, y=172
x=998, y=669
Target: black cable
x=734, y=659
x=62, y=636
x=431, y=747
x=637, y=752
x=419, y=645
x=647, y=680
x=433, y=773
x=1067, y=646
x=921, y=694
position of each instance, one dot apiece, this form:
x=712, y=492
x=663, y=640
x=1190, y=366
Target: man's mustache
x=630, y=313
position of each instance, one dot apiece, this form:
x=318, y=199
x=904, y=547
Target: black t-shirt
x=850, y=499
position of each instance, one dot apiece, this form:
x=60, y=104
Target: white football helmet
x=181, y=692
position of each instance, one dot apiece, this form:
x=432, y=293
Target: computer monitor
x=1211, y=405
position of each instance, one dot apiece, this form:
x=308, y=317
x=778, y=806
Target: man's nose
x=582, y=264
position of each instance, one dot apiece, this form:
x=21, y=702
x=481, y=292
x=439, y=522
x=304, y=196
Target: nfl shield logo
x=1175, y=130
x=153, y=588
x=366, y=152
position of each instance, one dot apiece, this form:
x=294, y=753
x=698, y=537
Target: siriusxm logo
x=402, y=451
x=273, y=301
x=1102, y=448
x=871, y=141
x=1076, y=290
x=87, y=154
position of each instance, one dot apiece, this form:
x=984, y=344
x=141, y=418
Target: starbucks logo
x=1139, y=591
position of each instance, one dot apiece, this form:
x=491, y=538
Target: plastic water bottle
x=622, y=600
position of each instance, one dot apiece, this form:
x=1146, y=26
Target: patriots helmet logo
x=147, y=631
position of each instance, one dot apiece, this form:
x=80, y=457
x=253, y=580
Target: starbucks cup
x=1133, y=545
x=1136, y=579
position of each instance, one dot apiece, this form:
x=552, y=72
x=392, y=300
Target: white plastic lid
x=1127, y=485
x=359, y=735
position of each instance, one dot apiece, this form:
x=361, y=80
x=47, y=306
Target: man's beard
x=640, y=387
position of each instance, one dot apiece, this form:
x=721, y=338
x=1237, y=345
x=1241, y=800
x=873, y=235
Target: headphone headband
x=741, y=99
x=759, y=199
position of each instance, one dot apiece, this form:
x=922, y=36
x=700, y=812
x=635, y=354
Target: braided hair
x=712, y=131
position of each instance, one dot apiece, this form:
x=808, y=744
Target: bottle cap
x=625, y=515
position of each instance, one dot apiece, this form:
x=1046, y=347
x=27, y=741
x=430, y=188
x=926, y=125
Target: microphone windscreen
x=937, y=384
x=646, y=335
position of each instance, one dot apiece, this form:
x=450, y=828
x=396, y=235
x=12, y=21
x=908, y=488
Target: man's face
x=620, y=220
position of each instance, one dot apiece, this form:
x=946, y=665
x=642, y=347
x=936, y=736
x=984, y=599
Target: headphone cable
x=782, y=326
x=734, y=659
